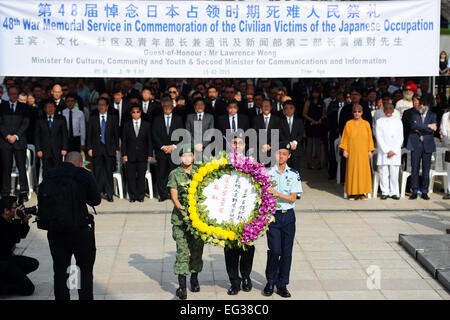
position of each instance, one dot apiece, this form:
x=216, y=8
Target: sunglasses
x=357, y=111
x=172, y=92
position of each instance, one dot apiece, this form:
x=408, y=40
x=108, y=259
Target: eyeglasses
x=172, y=92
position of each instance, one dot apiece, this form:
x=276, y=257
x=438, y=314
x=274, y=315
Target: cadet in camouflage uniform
x=189, y=249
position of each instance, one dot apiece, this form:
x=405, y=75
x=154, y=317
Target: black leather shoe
x=446, y=197
x=195, y=286
x=283, y=292
x=132, y=200
x=109, y=199
x=425, y=196
x=383, y=197
x=233, y=291
x=395, y=197
x=141, y=200
x=413, y=196
x=162, y=199
x=247, y=284
x=268, y=290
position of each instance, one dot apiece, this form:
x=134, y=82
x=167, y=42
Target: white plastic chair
x=117, y=176
x=405, y=173
x=375, y=175
x=148, y=177
x=438, y=169
x=337, y=142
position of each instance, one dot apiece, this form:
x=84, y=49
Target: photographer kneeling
x=14, y=269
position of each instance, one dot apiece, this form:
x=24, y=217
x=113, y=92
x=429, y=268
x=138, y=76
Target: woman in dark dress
x=314, y=113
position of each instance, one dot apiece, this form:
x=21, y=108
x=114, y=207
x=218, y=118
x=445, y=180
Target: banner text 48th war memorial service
x=218, y=39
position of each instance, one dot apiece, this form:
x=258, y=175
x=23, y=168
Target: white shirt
x=378, y=114
x=268, y=119
x=145, y=106
x=78, y=123
x=100, y=117
x=291, y=119
x=118, y=106
x=199, y=114
x=138, y=122
x=250, y=105
x=230, y=119
x=389, y=134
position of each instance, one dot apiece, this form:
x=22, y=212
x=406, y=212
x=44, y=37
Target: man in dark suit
x=162, y=129
x=334, y=111
x=293, y=129
x=258, y=99
x=421, y=143
x=347, y=111
x=103, y=147
x=51, y=138
x=57, y=95
x=14, y=121
x=136, y=153
x=406, y=119
x=215, y=104
x=205, y=119
x=121, y=106
x=264, y=124
x=232, y=121
x=150, y=106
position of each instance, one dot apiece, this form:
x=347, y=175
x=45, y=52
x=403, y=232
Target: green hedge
x=445, y=31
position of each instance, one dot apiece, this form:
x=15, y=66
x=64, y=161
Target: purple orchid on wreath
x=260, y=223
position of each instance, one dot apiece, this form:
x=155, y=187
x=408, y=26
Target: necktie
x=145, y=107
x=199, y=117
x=167, y=125
x=70, y=124
x=266, y=122
x=290, y=124
x=102, y=138
x=12, y=107
x=233, y=125
x=136, y=128
x=50, y=122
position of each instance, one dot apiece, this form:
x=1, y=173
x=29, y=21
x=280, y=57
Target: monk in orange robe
x=357, y=146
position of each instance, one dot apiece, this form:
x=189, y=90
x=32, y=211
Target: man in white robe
x=389, y=134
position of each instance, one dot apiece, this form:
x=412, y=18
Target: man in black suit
x=215, y=106
x=121, y=106
x=162, y=129
x=14, y=122
x=258, y=99
x=51, y=138
x=423, y=124
x=347, y=111
x=103, y=146
x=232, y=120
x=57, y=95
x=264, y=124
x=136, y=153
x=334, y=111
x=150, y=106
x=293, y=129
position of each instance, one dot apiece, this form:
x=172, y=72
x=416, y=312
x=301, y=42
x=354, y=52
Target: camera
x=22, y=213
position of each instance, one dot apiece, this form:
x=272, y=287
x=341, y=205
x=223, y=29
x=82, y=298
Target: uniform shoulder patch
x=296, y=173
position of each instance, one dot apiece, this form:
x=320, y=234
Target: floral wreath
x=230, y=234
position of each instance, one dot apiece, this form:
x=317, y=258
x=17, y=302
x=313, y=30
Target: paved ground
x=336, y=241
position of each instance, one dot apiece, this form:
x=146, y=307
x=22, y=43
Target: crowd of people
x=134, y=119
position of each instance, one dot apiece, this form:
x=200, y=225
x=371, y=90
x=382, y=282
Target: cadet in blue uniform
x=280, y=237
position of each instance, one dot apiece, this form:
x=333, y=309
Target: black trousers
x=332, y=161
x=163, y=167
x=239, y=260
x=7, y=163
x=13, y=275
x=50, y=163
x=81, y=244
x=74, y=144
x=135, y=173
x=103, y=171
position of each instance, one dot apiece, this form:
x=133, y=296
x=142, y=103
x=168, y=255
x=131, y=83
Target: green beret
x=186, y=148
